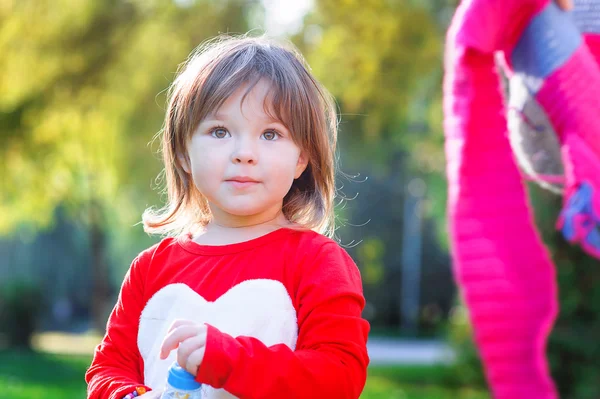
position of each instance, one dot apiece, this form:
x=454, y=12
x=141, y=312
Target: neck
x=218, y=233
x=227, y=222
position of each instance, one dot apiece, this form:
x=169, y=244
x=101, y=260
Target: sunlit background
x=82, y=95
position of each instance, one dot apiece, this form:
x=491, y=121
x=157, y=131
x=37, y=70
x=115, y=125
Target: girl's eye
x=219, y=132
x=270, y=135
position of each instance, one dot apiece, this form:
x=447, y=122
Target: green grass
x=418, y=382
x=33, y=375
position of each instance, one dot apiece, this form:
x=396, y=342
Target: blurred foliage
x=573, y=347
x=460, y=334
x=373, y=56
x=79, y=103
x=20, y=304
x=381, y=59
x=370, y=253
x=82, y=93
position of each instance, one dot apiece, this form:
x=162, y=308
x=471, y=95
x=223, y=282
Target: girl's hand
x=566, y=5
x=189, y=339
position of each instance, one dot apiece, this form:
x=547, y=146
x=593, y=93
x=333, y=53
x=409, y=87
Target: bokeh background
x=82, y=96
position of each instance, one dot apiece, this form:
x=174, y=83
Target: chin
x=243, y=213
x=244, y=210
x=247, y=206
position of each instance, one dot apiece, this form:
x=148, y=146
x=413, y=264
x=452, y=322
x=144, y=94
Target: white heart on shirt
x=258, y=308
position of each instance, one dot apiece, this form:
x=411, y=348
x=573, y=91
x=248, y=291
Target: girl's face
x=243, y=161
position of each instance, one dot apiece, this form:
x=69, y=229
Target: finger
x=178, y=323
x=175, y=337
x=189, y=346
x=194, y=360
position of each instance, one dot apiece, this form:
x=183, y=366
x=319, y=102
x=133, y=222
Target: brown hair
x=213, y=72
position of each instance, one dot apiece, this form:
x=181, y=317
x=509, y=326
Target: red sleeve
x=117, y=367
x=330, y=360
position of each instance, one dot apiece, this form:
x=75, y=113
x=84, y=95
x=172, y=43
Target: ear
x=185, y=163
x=301, y=165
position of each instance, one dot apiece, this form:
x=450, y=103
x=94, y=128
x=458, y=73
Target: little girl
x=246, y=293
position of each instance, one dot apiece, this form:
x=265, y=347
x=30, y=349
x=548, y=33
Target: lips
x=242, y=182
x=243, y=179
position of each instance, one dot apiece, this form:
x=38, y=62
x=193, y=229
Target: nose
x=244, y=152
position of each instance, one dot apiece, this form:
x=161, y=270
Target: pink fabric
x=499, y=258
x=501, y=265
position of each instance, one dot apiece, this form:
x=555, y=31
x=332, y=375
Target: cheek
x=284, y=176
x=205, y=172
x=284, y=170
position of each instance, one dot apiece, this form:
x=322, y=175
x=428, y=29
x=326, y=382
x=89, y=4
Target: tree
x=381, y=60
x=82, y=94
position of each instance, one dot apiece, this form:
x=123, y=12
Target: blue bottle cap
x=179, y=378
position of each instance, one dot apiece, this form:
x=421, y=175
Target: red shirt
x=283, y=310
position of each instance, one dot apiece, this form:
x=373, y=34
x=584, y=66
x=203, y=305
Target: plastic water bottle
x=181, y=384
